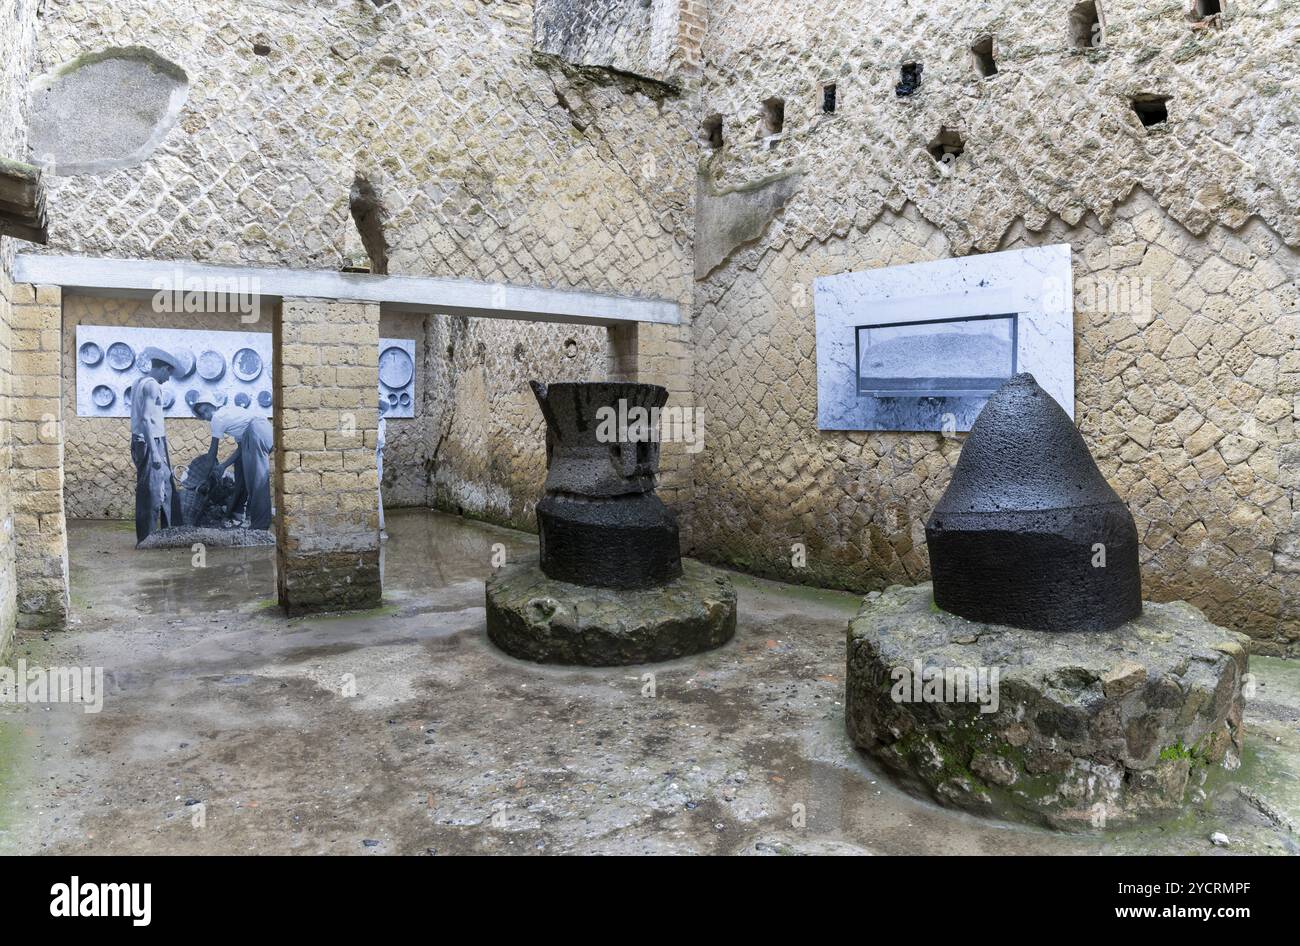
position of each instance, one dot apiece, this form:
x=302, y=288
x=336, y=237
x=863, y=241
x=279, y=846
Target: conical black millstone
x=1029, y=533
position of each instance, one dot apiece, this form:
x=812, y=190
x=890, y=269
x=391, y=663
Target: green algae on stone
x=1077, y=731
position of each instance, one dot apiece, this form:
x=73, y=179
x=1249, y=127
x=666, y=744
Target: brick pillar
x=36, y=425
x=661, y=354
x=326, y=379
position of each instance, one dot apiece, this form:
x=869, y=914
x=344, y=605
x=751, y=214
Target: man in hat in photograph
x=156, y=501
x=253, y=439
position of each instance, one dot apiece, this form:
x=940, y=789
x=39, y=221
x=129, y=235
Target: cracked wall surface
x=1189, y=403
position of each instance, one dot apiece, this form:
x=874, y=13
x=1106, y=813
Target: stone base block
x=537, y=618
x=1076, y=731
x=328, y=581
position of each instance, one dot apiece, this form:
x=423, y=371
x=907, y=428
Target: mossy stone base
x=537, y=618
x=1082, y=730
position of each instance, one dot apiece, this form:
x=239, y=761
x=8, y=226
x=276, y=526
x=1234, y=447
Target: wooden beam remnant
x=22, y=202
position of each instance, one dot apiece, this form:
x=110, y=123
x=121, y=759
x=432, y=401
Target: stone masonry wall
x=37, y=474
x=17, y=50
x=488, y=449
x=495, y=159
x=491, y=160
x=1189, y=401
x=8, y=547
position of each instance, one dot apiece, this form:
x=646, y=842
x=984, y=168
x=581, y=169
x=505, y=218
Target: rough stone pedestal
x=537, y=618
x=1084, y=730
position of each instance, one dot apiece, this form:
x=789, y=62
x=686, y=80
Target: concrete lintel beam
x=143, y=278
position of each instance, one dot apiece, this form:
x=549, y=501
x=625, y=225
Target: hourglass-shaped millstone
x=1029, y=533
x=600, y=523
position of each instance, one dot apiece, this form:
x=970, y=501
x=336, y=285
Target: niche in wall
x=1151, y=109
x=1086, y=30
x=711, y=131
x=773, y=116
x=982, y=54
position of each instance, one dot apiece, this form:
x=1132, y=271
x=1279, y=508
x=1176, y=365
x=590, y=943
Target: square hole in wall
x=1206, y=8
x=982, y=52
x=1085, y=25
x=909, y=79
x=829, y=98
x=1151, y=109
x=773, y=116
x=711, y=131
x=947, y=146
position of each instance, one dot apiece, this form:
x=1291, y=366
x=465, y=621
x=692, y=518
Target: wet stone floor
x=227, y=728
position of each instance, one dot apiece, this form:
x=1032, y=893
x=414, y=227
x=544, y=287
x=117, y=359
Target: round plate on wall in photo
x=168, y=398
x=395, y=367
x=264, y=398
x=188, y=363
x=191, y=397
x=102, y=396
x=247, y=364
x=242, y=400
x=212, y=366
x=90, y=354
x=120, y=356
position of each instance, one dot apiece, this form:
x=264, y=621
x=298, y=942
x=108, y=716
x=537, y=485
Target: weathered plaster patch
x=729, y=219
x=105, y=110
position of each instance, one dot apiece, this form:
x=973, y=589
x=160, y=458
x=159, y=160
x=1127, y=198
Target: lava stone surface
x=1029, y=533
x=629, y=542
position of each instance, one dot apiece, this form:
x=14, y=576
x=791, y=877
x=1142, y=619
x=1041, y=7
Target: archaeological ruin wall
x=722, y=159
x=1026, y=128
x=481, y=152
x=17, y=49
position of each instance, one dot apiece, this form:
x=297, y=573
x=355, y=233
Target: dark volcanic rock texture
x=1029, y=533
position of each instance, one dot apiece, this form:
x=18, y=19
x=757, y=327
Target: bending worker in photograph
x=253, y=439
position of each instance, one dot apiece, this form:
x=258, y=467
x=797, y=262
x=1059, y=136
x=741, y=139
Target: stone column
x=326, y=428
x=36, y=425
x=661, y=354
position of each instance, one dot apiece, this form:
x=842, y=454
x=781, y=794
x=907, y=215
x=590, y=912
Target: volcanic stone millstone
x=600, y=523
x=1090, y=730
x=534, y=617
x=629, y=542
x=1019, y=536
